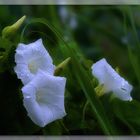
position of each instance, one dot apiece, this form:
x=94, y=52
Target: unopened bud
x=61, y=66
x=8, y=31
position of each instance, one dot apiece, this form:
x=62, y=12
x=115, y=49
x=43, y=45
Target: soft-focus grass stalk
x=54, y=16
x=84, y=78
x=134, y=58
x=131, y=18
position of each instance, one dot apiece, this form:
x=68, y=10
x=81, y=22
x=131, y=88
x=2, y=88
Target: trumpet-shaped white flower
x=44, y=98
x=111, y=80
x=30, y=58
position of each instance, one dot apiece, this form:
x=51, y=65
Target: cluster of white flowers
x=111, y=80
x=43, y=92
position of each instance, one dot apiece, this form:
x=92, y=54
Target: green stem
x=84, y=110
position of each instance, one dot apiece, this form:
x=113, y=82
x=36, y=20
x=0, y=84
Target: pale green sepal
x=100, y=90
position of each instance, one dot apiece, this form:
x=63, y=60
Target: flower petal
x=44, y=98
x=34, y=111
x=111, y=80
x=23, y=73
x=35, y=56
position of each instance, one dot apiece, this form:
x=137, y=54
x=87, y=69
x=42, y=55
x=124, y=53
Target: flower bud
x=61, y=66
x=8, y=31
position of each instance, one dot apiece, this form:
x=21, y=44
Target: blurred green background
x=110, y=32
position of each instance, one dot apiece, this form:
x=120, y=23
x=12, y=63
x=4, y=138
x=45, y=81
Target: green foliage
x=102, y=31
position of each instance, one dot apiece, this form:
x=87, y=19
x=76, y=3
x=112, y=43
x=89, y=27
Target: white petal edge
x=23, y=73
x=26, y=54
x=111, y=80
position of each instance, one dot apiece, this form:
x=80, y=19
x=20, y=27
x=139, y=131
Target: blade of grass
x=131, y=18
x=133, y=57
x=135, y=63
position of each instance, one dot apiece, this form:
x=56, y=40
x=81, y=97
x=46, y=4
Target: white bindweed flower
x=30, y=58
x=44, y=98
x=111, y=80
